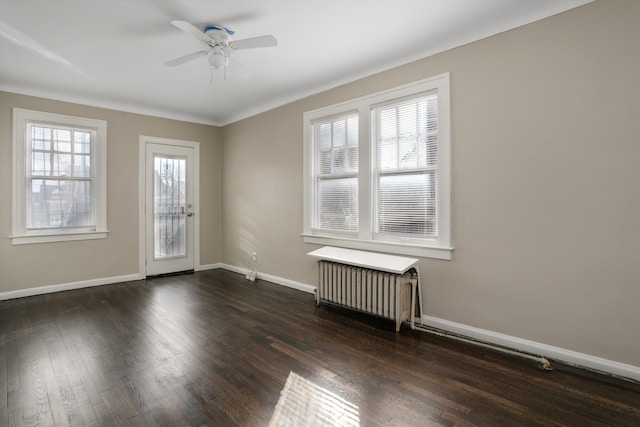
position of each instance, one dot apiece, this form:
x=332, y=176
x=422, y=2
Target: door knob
x=190, y=214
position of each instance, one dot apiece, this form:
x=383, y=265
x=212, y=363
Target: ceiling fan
x=219, y=45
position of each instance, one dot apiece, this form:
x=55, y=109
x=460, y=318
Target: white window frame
x=20, y=234
x=440, y=247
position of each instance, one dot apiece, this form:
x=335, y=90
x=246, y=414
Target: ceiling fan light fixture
x=217, y=60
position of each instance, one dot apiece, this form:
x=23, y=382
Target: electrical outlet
x=254, y=256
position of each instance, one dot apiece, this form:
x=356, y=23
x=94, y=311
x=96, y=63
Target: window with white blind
x=59, y=190
x=336, y=173
x=377, y=171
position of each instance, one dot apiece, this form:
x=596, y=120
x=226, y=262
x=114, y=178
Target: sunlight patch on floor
x=303, y=403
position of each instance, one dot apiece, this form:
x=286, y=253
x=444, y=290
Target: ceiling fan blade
x=254, y=42
x=186, y=58
x=190, y=29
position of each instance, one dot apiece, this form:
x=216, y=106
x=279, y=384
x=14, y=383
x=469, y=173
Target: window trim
x=439, y=248
x=20, y=235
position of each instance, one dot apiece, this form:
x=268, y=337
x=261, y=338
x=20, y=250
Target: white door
x=169, y=208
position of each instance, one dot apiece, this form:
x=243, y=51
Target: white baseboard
x=209, y=266
x=561, y=354
x=274, y=279
x=288, y=283
x=68, y=286
x=233, y=268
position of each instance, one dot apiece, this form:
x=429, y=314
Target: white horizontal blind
x=405, y=134
x=59, y=177
x=335, y=169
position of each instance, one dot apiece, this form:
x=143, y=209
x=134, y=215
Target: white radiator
x=376, y=292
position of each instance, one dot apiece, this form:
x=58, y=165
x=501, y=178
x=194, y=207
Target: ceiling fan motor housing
x=219, y=33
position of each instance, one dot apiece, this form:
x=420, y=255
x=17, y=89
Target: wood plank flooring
x=213, y=349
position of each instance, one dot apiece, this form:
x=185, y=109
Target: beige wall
x=30, y=266
x=546, y=183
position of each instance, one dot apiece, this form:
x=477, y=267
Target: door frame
x=142, y=217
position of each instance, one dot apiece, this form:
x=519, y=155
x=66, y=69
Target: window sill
x=434, y=252
x=57, y=237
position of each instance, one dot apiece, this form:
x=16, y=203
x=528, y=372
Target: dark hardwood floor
x=213, y=349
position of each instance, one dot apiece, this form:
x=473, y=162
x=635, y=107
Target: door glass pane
x=169, y=210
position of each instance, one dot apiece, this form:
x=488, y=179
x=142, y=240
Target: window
x=377, y=171
x=59, y=190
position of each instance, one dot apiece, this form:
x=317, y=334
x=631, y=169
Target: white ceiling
x=111, y=53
